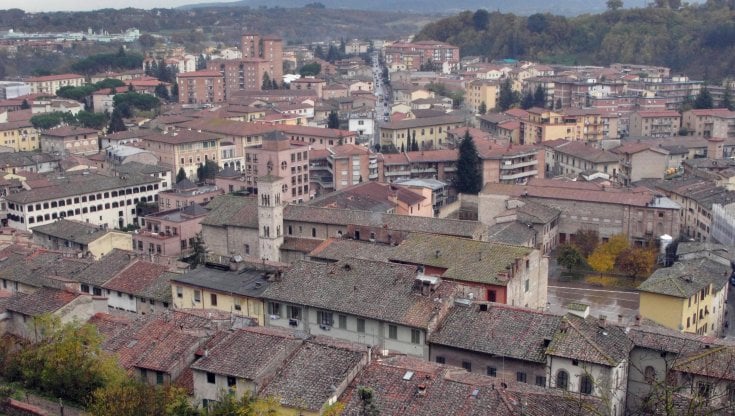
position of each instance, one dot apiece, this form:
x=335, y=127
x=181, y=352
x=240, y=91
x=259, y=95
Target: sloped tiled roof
x=376, y=290
x=341, y=248
x=716, y=362
x=684, y=279
x=586, y=340
x=44, y=300
x=512, y=232
x=463, y=259
x=76, y=231
x=501, y=330
x=143, y=279
x=104, y=269
x=232, y=210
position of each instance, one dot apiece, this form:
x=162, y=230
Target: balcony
x=323, y=181
x=518, y=175
x=145, y=235
x=518, y=165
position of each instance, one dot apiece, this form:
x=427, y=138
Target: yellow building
x=79, y=237
x=482, y=91
x=19, y=135
x=188, y=149
x=688, y=296
x=430, y=132
x=229, y=291
x=571, y=124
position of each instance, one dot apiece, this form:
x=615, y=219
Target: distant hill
x=523, y=7
x=698, y=41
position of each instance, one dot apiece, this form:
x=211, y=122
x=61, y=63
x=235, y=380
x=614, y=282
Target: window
x=213, y=299
x=197, y=296
x=440, y=360
x=211, y=378
x=293, y=312
x=143, y=374
x=704, y=390
x=562, y=380
x=392, y=332
x=415, y=336
x=231, y=381
x=313, y=232
x=324, y=318
x=526, y=285
x=159, y=377
x=541, y=381
x=274, y=309
x=492, y=371
x=342, y=321
x=238, y=305
x=179, y=292
x=649, y=374
x=521, y=377
x=360, y=325
x=467, y=365
x=85, y=288
x=585, y=384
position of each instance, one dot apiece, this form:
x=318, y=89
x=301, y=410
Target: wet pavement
x=615, y=305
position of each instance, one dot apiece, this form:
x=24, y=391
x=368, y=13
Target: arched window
x=585, y=384
x=649, y=374
x=562, y=380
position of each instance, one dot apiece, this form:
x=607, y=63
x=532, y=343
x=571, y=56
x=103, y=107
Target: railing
x=519, y=175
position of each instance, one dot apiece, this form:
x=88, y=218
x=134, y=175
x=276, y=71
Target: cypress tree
x=469, y=176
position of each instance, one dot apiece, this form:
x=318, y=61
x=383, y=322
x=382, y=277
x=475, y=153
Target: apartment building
x=411, y=56
x=170, y=233
x=268, y=48
x=278, y=155
x=572, y=158
x=715, y=122
x=51, y=83
x=571, y=124
x=655, y=123
x=338, y=167
x=70, y=140
x=480, y=92
x=240, y=74
x=429, y=132
x=201, y=87
x=20, y=136
x=187, y=149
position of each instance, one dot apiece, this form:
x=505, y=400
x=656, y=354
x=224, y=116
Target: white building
x=89, y=197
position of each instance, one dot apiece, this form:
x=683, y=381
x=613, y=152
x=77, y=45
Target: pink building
x=170, y=233
x=186, y=193
x=280, y=156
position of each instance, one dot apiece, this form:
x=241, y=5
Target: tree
x=569, y=257
x=507, y=97
x=469, y=176
x=557, y=105
x=133, y=398
x=208, y=170
x=64, y=360
x=586, y=241
x=333, y=120
x=181, y=175
x=601, y=261
x=162, y=92
x=310, y=70
x=614, y=4
x=199, y=250
x=414, y=144
x=539, y=97
x=527, y=101
x=116, y=122
x=703, y=99
x=636, y=261
x=147, y=41
x=201, y=62
x=482, y=109
x=727, y=99
x=605, y=255
x=480, y=19
x=267, y=85
x=24, y=105
x=367, y=399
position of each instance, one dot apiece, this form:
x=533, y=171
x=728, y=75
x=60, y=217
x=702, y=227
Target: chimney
x=437, y=253
x=637, y=320
x=603, y=320
x=421, y=390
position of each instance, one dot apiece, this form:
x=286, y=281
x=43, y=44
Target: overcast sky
x=55, y=5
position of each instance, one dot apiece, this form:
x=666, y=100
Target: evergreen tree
x=175, y=92
x=727, y=99
x=539, y=97
x=266, y=82
x=201, y=62
x=483, y=108
x=703, y=99
x=527, y=101
x=333, y=120
x=403, y=148
x=116, y=122
x=507, y=97
x=24, y=105
x=469, y=176
x=181, y=175
x=162, y=92
x=414, y=144
x=557, y=106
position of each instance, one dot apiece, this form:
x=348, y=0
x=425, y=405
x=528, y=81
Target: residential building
x=655, y=123
x=706, y=377
x=437, y=187
x=268, y=48
x=572, y=158
x=378, y=197
x=49, y=84
x=428, y=164
x=342, y=303
x=569, y=124
x=481, y=91
x=496, y=340
x=429, y=132
x=715, y=122
x=641, y=161
x=341, y=166
x=501, y=126
x=411, y=56
x=28, y=269
x=80, y=238
x=93, y=198
x=309, y=84
x=590, y=357
x=636, y=212
x=244, y=74
x=689, y=296
x=201, y=87
x=187, y=149
x=502, y=273
x=142, y=287
x=236, y=291
x=510, y=164
x=20, y=136
x=28, y=161
x=70, y=140
x=170, y=233
x=279, y=155
x=185, y=193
